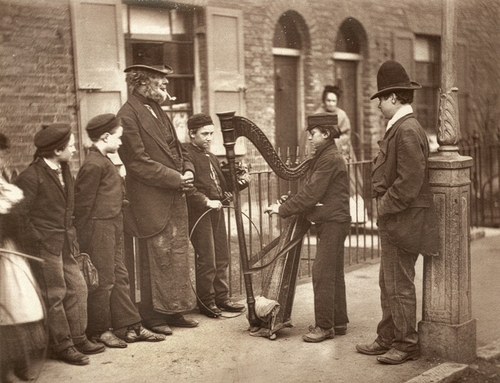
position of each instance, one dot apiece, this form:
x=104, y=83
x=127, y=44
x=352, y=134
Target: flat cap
x=53, y=136
x=101, y=124
x=158, y=69
x=199, y=120
x=329, y=119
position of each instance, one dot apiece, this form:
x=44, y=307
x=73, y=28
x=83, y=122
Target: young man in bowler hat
x=48, y=232
x=400, y=185
x=209, y=237
x=99, y=200
x=324, y=199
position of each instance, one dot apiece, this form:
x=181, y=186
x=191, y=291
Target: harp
x=281, y=273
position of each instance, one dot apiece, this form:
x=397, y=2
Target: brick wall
x=37, y=75
x=478, y=25
x=36, y=72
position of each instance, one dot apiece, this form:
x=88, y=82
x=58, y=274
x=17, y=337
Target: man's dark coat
x=152, y=170
x=400, y=179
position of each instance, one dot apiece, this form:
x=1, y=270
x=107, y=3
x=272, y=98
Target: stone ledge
x=490, y=352
x=477, y=233
x=444, y=373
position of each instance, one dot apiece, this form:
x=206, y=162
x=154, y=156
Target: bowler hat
x=53, y=136
x=158, y=69
x=101, y=124
x=199, y=120
x=392, y=76
x=321, y=119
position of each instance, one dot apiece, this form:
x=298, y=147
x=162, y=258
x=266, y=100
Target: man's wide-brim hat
x=392, y=76
x=158, y=69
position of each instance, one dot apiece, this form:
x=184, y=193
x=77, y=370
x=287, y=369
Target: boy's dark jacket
x=204, y=186
x=324, y=195
x=99, y=193
x=44, y=216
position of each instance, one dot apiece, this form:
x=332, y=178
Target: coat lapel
x=149, y=123
x=384, y=144
x=53, y=175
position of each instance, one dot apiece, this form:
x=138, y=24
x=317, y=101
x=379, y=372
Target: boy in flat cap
x=400, y=183
x=99, y=199
x=208, y=235
x=324, y=199
x=158, y=175
x=48, y=232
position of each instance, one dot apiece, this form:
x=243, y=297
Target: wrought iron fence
x=485, y=193
x=362, y=245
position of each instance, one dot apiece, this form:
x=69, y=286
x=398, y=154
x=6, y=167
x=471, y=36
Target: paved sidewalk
x=220, y=350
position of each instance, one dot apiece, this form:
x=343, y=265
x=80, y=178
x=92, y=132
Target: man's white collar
x=403, y=111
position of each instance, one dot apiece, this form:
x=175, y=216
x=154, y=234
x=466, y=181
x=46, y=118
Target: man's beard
x=155, y=94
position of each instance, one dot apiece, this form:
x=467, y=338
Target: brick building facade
x=237, y=52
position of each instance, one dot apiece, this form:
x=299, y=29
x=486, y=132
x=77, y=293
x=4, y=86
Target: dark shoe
x=231, y=306
x=161, y=329
x=142, y=334
x=210, y=310
x=371, y=349
x=109, y=339
x=89, y=348
x=340, y=329
x=72, y=356
x=394, y=356
x=318, y=334
x=178, y=320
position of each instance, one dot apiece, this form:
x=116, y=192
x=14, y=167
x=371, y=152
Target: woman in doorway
x=330, y=98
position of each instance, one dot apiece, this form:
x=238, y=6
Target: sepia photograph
x=243, y=191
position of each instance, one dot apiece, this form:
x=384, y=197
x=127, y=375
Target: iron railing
x=485, y=194
x=362, y=245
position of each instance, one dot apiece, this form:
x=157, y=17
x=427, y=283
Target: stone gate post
x=447, y=329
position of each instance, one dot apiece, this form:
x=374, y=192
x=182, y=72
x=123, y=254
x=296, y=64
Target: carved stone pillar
x=447, y=329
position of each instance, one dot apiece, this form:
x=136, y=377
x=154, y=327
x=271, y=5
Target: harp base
x=270, y=333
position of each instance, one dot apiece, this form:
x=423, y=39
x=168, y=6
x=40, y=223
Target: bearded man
x=158, y=174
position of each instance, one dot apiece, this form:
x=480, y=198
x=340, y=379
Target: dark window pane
x=147, y=53
x=181, y=89
x=180, y=57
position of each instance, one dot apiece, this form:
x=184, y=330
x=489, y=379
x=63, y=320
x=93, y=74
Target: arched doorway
x=348, y=56
x=287, y=45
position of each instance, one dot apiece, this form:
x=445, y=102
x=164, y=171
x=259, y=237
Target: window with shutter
x=99, y=61
x=162, y=35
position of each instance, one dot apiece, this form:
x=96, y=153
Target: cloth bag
x=19, y=298
x=90, y=273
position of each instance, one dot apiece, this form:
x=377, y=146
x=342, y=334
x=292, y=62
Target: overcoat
x=400, y=179
x=153, y=170
x=155, y=160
